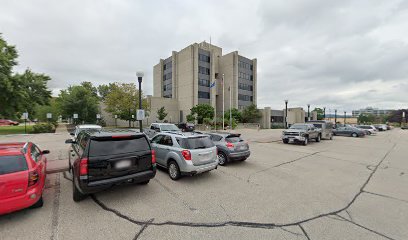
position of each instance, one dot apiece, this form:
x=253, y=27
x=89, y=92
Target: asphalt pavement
x=347, y=188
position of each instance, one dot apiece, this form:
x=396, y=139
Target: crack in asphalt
x=257, y=224
x=366, y=228
x=385, y=196
x=142, y=229
x=175, y=195
x=304, y=231
x=281, y=164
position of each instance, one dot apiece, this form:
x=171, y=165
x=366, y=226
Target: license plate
x=123, y=164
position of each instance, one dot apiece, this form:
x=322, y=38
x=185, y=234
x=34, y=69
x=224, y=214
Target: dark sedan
x=348, y=131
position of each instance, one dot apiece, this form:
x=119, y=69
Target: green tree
x=42, y=110
x=161, y=113
x=366, y=118
x=104, y=90
x=202, y=111
x=251, y=114
x=236, y=114
x=123, y=100
x=320, y=113
x=190, y=118
x=81, y=100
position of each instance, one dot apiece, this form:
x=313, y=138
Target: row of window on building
x=167, y=66
x=203, y=58
x=205, y=95
x=166, y=76
x=243, y=97
x=167, y=87
x=246, y=76
x=242, y=64
x=203, y=70
x=244, y=86
x=204, y=82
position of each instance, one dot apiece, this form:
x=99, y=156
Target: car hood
x=293, y=131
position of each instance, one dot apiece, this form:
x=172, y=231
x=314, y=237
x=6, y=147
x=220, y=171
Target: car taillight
x=230, y=145
x=33, y=178
x=83, y=167
x=186, y=154
x=153, y=157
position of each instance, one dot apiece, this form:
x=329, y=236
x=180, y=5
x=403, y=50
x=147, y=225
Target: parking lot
x=347, y=188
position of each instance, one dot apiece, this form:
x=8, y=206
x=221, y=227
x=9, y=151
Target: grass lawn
x=15, y=129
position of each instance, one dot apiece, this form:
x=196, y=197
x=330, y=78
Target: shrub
x=43, y=128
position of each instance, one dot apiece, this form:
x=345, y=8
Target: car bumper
x=100, y=185
x=9, y=205
x=239, y=155
x=193, y=169
x=294, y=138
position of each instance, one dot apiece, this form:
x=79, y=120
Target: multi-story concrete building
x=370, y=110
x=187, y=77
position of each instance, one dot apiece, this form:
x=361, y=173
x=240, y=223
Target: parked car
x=404, y=127
x=185, y=153
x=325, y=126
x=160, y=127
x=7, y=122
x=301, y=133
x=381, y=127
x=22, y=176
x=83, y=127
x=349, y=131
x=230, y=147
x=371, y=130
x=101, y=159
x=186, y=127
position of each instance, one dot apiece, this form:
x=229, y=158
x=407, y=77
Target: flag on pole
x=212, y=84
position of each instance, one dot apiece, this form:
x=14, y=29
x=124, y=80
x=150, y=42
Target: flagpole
x=230, y=93
x=223, y=101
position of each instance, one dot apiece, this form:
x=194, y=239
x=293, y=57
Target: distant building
x=370, y=110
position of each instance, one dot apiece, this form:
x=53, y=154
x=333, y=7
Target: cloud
x=338, y=54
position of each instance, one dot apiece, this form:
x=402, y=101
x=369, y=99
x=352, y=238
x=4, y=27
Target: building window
x=244, y=86
x=166, y=76
x=167, y=87
x=205, y=95
x=204, y=82
x=243, y=97
x=168, y=96
x=203, y=70
x=203, y=58
x=245, y=65
x=245, y=76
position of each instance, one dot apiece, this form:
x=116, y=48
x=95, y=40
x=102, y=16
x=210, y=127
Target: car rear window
x=318, y=125
x=11, y=164
x=233, y=139
x=196, y=142
x=117, y=146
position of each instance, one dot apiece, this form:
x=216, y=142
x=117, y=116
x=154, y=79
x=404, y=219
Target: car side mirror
x=72, y=134
x=157, y=129
x=69, y=141
x=45, y=152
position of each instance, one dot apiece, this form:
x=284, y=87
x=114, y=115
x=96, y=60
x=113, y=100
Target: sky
x=341, y=55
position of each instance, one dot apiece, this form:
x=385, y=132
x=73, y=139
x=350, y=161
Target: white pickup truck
x=160, y=127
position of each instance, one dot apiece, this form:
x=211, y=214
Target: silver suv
x=184, y=153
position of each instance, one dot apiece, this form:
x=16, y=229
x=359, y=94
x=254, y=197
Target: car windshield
x=318, y=125
x=196, y=142
x=11, y=164
x=302, y=127
x=169, y=127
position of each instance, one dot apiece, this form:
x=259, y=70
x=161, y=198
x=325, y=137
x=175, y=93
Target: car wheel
x=222, y=158
x=145, y=182
x=306, y=141
x=76, y=194
x=318, y=138
x=285, y=141
x=354, y=135
x=174, y=170
x=39, y=203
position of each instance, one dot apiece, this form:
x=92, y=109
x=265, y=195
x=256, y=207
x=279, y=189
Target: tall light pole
x=140, y=75
x=324, y=113
x=230, y=112
x=286, y=114
x=308, y=112
x=223, y=102
x=344, y=117
x=335, y=117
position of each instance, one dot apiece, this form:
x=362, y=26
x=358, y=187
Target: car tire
x=285, y=141
x=174, y=170
x=306, y=141
x=144, y=182
x=354, y=135
x=39, y=203
x=76, y=194
x=318, y=138
x=222, y=159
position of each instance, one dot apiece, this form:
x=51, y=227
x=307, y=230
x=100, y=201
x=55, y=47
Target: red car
x=6, y=122
x=22, y=176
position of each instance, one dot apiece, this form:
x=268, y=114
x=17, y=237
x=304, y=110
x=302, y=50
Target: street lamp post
x=335, y=117
x=286, y=114
x=139, y=79
x=344, y=117
x=308, y=112
x=324, y=113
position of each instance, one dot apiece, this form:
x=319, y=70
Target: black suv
x=99, y=159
